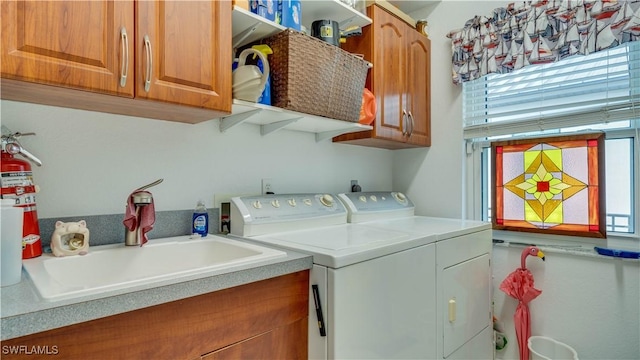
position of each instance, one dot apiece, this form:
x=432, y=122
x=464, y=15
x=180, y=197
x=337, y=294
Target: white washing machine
x=372, y=290
x=462, y=265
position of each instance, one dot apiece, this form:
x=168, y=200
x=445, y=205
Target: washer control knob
x=307, y=202
x=292, y=202
x=275, y=203
x=257, y=204
x=363, y=198
x=400, y=197
x=374, y=198
x=326, y=200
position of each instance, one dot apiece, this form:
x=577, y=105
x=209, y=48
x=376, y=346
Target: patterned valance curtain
x=540, y=31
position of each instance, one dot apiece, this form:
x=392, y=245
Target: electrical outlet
x=267, y=186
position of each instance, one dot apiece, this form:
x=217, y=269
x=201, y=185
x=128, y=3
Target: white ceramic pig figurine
x=70, y=238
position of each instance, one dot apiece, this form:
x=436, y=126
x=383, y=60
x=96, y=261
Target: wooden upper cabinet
x=153, y=55
x=389, y=54
x=418, y=95
x=400, y=80
x=78, y=44
x=184, y=50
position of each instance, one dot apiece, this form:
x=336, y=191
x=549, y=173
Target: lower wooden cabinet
x=265, y=319
x=275, y=344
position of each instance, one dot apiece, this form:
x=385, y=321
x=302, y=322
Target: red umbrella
x=519, y=285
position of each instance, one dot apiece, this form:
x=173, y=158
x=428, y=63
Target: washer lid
x=341, y=245
x=441, y=228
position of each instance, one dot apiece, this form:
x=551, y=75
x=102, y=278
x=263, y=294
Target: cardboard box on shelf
x=264, y=8
x=289, y=13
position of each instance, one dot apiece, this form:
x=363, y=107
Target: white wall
x=591, y=304
x=92, y=161
x=433, y=177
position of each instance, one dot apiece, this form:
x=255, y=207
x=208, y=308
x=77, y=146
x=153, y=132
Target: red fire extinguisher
x=16, y=182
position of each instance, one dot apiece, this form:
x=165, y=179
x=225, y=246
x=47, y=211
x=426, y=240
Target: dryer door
x=465, y=301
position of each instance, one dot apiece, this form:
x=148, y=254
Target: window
x=598, y=92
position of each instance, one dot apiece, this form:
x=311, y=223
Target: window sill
x=567, y=245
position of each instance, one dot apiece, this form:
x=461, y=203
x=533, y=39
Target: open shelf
x=335, y=10
x=271, y=119
x=248, y=27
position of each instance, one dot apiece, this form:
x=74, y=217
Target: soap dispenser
x=200, y=223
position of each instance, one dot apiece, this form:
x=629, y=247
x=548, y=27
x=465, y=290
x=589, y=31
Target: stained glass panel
x=551, y=185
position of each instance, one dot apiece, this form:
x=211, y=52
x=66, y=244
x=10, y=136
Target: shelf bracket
x=321, y=136
x=230, y=121
x=269, y=128
x=344, y=24
x=238, y=39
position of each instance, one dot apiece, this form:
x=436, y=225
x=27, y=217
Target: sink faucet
x=139, y=216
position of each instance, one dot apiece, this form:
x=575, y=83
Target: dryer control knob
x=257, y=204
x=326, y=200
x=275, y=203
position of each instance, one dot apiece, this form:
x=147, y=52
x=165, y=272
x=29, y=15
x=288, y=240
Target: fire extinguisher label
x=29, y=240
x=28, y=200
x=17, y=180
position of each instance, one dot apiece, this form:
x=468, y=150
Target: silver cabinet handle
x=125, y=57
x=404, y=122
x=411, y=123
x=147, y=75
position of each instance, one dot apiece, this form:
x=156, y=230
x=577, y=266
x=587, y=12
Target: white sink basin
x=113, y=267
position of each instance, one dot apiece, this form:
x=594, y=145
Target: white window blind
x=599, y=88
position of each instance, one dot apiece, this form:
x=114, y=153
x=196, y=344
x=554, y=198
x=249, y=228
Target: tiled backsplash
x=108, y=229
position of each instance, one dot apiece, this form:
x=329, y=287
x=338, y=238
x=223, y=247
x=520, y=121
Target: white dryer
x=372, y=290
x=463, y=269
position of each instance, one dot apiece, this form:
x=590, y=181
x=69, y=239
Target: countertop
x=24, y=312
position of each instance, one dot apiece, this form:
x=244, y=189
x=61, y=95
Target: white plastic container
x=546, y=348
x=10, y=243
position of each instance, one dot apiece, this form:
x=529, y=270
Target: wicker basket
x=311, y=76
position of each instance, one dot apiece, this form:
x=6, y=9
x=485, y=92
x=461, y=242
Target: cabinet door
x=465, y=308
x=389, y=69
x=285, y=342
x=183, y=52
x=84, y=45
x=418, y=88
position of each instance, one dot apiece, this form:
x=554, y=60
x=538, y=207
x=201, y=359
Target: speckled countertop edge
x=24, y=312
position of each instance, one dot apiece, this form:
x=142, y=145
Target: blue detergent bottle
x=265, y=98
x=200, y=223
